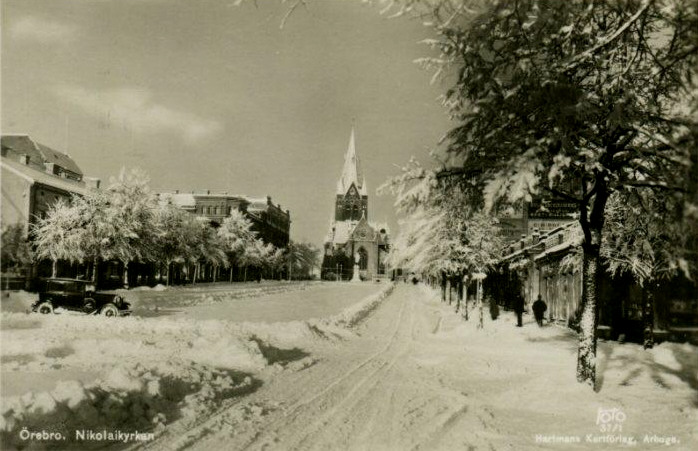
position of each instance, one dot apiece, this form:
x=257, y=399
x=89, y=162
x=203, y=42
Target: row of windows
x=217, y=210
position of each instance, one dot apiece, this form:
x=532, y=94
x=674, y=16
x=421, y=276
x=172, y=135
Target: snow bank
x=334, y=327
x=128, y=399
x=149, y=372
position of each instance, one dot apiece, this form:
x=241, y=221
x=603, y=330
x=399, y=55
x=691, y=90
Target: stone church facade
x=351, y=236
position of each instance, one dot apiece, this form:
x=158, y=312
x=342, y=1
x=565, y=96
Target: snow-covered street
x=416, y=376
x=401, y=371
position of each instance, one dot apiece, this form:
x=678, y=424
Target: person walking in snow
x=519, y=309
x=539, y=309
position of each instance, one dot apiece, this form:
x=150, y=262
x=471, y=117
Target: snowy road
x=416, y=378
x=386, y=373
x=313, y=301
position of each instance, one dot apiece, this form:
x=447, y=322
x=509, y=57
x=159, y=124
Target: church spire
x=351, y=173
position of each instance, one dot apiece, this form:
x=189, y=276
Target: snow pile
x=128, y=399
x=97, y=342
x=334, y=327
x=354, y=314
x=141, y=373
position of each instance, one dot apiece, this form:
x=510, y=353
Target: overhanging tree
x=577, y=98
x=647, y=237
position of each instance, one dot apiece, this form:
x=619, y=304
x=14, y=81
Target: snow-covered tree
x=255, y=254
x=575, y=98
x=172, y=242
x=301, y=258
x=444, y=233
x=237, y=236
x=207, y=245
x=59, y=235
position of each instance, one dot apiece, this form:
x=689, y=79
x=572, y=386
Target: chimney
x=176, y=191
x=24, y=159
x=50, y=167
x=269, y=200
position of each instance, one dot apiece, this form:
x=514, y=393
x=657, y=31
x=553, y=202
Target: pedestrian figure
x=539, y=309
x=519, y=309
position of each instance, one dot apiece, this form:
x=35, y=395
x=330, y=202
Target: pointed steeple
x=351, y=173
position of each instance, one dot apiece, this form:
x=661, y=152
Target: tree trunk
x=459, y=288
x=586, y=357
x=232, y=270
x=54, y=269
x=459, y=293
x=94, y=271
x=592, y=227
x=465, y=301
x=648, y=317
x=244, y=279
x=450, y=290
x=480, y=323
x=126, y=275
x=443, y=287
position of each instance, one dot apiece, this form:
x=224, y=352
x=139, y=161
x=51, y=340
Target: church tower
x=352, y=198
x=353, y=242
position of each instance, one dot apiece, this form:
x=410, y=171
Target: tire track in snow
x=369, y=384
x=348, y=399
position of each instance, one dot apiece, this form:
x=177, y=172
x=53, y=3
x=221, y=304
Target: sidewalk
x=532, y=384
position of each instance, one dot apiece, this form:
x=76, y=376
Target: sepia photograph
x=377, y=225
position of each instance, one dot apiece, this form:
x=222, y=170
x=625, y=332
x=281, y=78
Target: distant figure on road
x=539, y=309
x=519, y=309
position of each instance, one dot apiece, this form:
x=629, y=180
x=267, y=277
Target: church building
x=351, y=236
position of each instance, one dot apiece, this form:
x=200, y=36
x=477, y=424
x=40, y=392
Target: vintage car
x=78, y=295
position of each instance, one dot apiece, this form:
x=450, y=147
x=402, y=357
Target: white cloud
x=135, y=108
x=42, y=30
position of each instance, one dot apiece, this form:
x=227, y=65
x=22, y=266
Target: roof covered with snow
x=38, y=154
x=181, y=200
x=33, y=175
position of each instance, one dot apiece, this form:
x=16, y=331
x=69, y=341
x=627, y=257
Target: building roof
x=33, y=175
x=257, y=203
x=351, y=172
x=181, y=200
x=38, y=154
x=58, y=158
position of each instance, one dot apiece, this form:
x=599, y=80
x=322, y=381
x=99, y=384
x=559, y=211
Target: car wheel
x=109, y=310
x=45, y=308
x=89, y=306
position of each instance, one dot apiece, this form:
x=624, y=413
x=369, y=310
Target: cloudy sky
x=203, y=94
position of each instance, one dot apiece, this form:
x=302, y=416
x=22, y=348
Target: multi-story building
x=548, y=263
x=541, y=214
x=270, y=221
x=34, y=177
